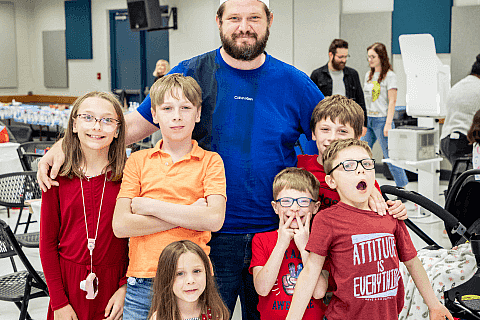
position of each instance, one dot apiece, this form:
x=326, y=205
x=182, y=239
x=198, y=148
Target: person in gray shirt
x=463, y=100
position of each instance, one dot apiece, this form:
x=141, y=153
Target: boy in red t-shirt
x=278, y=256
x=363, y=248
x=337, y=117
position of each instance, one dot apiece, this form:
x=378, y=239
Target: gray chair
x=17, y=187
x=22, y=133
x=20, y=286
x=31, y=152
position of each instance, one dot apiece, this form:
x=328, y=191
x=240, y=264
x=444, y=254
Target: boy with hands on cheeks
x=364, y=249
x=278, y=256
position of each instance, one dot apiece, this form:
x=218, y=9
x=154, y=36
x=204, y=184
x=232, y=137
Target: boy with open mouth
x=364, y=249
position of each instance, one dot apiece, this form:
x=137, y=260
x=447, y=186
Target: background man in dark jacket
x=329, y=77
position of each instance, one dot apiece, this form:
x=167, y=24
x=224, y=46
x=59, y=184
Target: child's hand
x=377, y=203
x=65, y=313
x=440, y=313
x=285, y=234
x=114, y=309
x=397, y=209
x=302, y=233
x=142, y=205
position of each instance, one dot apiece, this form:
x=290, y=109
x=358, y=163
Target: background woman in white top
x=380, y=90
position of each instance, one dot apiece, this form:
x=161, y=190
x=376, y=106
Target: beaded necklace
x=91, y=241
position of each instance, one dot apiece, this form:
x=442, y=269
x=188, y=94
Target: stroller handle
x=447, y=217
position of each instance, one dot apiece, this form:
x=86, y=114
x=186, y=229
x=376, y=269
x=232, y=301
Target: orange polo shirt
x=151, y=173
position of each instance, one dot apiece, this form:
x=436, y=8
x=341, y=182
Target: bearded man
x=254, y=109
x=336, y=78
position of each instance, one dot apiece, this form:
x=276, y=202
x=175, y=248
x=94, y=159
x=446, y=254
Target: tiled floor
x=38, y=307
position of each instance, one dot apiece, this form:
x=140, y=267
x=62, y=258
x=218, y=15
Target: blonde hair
x=164, y=302
x=331, y=152
x=296, y=179
x=339, y=107
x=72, y=149
x=188, y=85
x=167, y=67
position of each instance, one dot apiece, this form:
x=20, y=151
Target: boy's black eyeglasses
x=351, y=165
x=288, y=202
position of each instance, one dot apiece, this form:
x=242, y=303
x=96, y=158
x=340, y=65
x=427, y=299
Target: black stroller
x=461, y=217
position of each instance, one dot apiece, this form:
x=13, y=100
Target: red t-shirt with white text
x=364, y=251
x=277, y=303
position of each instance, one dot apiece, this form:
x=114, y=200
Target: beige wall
x=293, y=39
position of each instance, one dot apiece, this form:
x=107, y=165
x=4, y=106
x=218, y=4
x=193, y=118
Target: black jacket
x=353, y=87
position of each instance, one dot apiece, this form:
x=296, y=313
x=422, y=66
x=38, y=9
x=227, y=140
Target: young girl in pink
x=84, y=263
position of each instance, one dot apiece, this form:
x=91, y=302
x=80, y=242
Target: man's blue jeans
x=138, y=298
x=375, y=131
x=231, y=255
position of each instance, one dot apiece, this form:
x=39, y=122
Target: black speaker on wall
x=145, y=14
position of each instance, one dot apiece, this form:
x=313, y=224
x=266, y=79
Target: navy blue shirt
x=252, y=118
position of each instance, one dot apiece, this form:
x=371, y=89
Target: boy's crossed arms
x=142, y=215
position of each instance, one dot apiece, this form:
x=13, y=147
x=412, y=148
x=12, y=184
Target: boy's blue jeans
x=231, y=255
x=375, y=131
x=138, y=298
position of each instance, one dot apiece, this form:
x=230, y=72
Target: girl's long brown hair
x=73, y=151
x=381, y=50
x=473, y=134
x=164, y=300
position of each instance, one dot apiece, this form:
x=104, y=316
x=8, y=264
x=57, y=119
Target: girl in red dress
x=84, y=263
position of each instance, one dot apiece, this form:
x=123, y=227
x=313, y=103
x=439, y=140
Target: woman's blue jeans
x=375, y=131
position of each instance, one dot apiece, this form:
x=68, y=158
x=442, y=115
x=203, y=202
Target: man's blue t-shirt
x=252, y=118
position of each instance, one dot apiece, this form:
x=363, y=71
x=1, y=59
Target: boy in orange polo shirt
x=174, y=191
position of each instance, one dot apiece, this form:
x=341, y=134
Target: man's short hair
x=337, y=43
x=188, y=85
x=221, y=9
x=331, y=152
x=296, y=179
x=339, y=107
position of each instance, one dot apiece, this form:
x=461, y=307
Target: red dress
x=63, y=245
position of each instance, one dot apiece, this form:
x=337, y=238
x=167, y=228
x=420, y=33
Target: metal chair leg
x=18, y=220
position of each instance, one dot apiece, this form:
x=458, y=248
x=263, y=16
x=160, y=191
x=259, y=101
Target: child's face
x=303, y=212
x=176, y=118
x=327, y=131
x=160, y=67
x=191, y=278
x=354, y=187
x=93, y=134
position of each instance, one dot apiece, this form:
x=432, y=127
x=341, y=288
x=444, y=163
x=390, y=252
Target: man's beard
x=245, y=52
x=337, y=65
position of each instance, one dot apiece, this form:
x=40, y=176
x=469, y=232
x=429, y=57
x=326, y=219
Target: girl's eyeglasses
x=108, y=124
x=288, y=202
x=351, y=165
